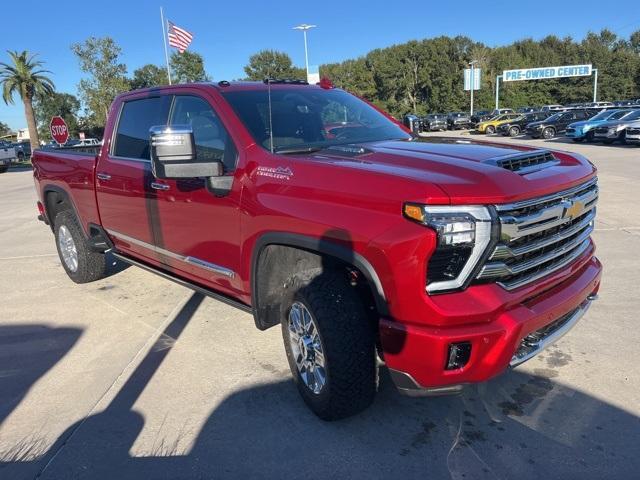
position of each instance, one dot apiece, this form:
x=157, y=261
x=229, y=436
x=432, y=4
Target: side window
x=212, y=140
x=136, y=118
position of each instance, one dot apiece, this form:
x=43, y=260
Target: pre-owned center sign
x=546, y=73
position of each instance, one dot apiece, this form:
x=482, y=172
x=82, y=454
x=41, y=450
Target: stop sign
x=59, y=130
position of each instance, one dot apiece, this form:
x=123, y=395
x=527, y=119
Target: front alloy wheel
x=306, y=347
x=490, y=130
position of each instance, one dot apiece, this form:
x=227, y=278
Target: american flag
x=179, y=37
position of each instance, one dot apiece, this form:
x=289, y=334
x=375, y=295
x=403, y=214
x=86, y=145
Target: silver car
x=615, y=130
x=633, y=133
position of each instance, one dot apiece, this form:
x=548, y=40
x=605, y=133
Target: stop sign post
x=59, y=130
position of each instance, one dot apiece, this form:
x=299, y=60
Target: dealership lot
x=136, y=377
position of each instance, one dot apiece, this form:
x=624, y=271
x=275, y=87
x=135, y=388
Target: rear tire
x=548, y=133
x=81, y=263
x=338, y=322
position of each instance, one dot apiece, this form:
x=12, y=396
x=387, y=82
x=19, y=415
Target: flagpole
x=164, y=41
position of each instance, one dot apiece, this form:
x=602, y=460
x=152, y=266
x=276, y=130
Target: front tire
x=81, y=263
x=490, y=130
x=548, y=133
x=514, y=131
x=330, y=345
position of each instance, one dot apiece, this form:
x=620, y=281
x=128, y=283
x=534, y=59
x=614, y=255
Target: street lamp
x=472, y=64
x=304, y=27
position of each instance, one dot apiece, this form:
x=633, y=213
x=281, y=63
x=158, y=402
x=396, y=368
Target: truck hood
x=465, y=170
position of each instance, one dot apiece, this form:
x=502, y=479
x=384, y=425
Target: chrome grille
x=601, y=130
x=541, y=236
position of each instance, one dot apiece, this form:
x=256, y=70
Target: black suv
x=557, y=123
x=517, y=126
x=481, y=116
x=458, y=120
x=433, y=122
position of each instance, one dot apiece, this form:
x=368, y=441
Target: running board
x=185, y=283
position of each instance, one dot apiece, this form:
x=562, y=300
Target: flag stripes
x=178, y=37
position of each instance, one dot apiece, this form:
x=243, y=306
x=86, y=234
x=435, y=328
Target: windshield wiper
x=286, y=151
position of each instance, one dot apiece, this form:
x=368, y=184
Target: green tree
x=4, y=129
x=272, y=64
x=25, y=77
x=149, y=75
x=57, y=104
x=187, y=67
x=99, y=59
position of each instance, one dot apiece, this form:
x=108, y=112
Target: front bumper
x=416, y=355
x=612, y=135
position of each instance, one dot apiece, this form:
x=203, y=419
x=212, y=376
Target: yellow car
x=490, y=126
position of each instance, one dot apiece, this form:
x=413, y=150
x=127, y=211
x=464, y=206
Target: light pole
x=472, y=64
x=498, y=77
x=304, y=27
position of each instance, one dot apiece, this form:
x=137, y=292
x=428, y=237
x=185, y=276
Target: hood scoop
x=347, y=150
x=527, y=162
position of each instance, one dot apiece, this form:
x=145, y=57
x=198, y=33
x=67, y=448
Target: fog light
x=459, y=354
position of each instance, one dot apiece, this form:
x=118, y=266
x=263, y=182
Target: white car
x=633, y=133
x=88, y=142
x=7, y=155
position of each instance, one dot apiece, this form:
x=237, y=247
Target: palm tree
x=26, y=78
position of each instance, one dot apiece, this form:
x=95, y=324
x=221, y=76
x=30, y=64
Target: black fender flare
x=320, y=246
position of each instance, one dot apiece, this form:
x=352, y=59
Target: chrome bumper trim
x=537, y=347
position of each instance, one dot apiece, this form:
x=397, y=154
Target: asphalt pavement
x=135, y=377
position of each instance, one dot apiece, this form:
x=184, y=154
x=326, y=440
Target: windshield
x=554, y=117
x=310, y=118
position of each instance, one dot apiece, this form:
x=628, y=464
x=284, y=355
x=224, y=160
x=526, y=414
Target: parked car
x=368, y=242
x=88, y=142
x=23, y=150
x=480, y=116
x=502, y=111
x=515, y=127
x=526, y=109
x=434, y=122
x=615, y=130
x=458, y=121
x=582, y=130
x=624, y=103
x=490, y=126
x=551, y=108
x=556, y=124
x=7, y=156
x=412, y=122
x=600, y=105
x=633, y=133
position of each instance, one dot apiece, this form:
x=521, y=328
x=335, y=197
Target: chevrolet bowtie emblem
x=572, y=209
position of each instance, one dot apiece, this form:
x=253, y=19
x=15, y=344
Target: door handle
x=103, y=176
x=160, y=186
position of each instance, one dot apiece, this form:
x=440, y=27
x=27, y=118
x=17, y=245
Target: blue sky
x=227, y=33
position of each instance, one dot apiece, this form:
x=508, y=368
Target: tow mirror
x=173, y=154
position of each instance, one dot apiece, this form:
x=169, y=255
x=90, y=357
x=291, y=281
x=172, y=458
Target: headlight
x=463, y=235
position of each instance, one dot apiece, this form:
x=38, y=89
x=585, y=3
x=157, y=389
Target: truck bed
x=70, y=170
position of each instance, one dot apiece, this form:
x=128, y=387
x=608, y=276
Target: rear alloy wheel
x=548, y=133
x=330, y=344
x=490, y=130
x=514, y=131
x=78, y=260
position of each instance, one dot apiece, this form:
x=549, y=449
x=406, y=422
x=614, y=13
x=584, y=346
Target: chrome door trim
x=211, y=267
x=159, y=186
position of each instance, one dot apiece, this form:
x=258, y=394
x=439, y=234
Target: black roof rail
x=288, y=81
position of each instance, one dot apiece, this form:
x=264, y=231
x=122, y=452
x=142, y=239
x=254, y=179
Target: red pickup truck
x=448, y=259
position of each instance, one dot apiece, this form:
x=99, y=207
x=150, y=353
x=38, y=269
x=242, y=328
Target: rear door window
x=136, y=118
